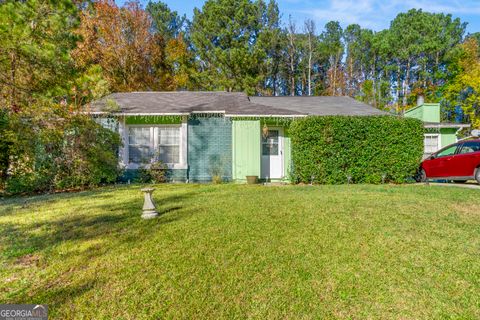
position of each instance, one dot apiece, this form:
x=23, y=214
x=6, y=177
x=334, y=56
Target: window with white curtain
x=168, y=144
x=431, y=143
x=139, y=145
x=154, y=143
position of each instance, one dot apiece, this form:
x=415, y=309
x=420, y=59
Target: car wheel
x=477, y=175
x=421, y=176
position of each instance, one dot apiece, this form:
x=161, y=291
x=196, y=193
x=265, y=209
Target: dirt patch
x=28, y=260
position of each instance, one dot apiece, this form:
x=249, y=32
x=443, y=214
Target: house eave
x=266, y=116
x=199, y=112
x=139, y=114
x=446, y=125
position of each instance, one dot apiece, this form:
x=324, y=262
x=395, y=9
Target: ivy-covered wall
x=153, y=120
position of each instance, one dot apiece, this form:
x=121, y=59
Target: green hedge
x=330, y=149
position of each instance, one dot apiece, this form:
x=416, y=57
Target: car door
x=466, y=160
x=437, y=165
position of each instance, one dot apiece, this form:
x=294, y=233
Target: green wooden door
x=245, y=149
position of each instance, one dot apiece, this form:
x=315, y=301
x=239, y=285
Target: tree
x=355, y=49
x=166, y=22
x=332, y=48
x=225, y=36
x=292, y=55
x=311, y=44
x=36, y=37
x=419, y=41
x=120, y=41
x=272, y=39
x=464, y=87
x=45, y=143
x=179, y=64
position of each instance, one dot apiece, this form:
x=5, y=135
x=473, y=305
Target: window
x=447, y=152
x=139, y=145
x=470, y=146
x=431, y=143
x=169, y=145
x=148, y=143
x=270, y=144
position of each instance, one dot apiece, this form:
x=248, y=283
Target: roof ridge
x=182, y=92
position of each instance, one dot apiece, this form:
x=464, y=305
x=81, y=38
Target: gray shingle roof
x=239, y=104
x=322, y=106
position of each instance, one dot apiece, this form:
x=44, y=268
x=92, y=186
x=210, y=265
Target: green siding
x=287, y=142
x=246, y=149
x=287, y=158
x=431, y=112
x=416, y=113
x=428, y=112
x=448, y=136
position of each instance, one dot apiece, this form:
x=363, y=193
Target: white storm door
x=272, y=154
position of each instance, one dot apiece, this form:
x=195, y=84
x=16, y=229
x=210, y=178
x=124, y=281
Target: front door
x=272, y=154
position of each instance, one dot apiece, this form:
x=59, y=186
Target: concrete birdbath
x=149, y=210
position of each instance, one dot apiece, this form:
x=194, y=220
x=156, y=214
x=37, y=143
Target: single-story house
x=202, y=134
x=438, y=134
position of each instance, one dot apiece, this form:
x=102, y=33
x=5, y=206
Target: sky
x=373, y=14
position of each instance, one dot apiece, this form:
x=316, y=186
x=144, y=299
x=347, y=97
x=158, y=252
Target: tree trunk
x=310, y=70
x=350, y=77
x=292, y=66
x=274, y=85
x=398, y=84
x=406, y=84
x=334, y=82
x=13, y=69
x=292, y=79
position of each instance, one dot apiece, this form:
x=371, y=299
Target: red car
x=458, y=162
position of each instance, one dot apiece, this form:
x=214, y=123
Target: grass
x=237, y=251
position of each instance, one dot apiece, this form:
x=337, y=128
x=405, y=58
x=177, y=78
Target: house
x=438, y=134
x=199, y=135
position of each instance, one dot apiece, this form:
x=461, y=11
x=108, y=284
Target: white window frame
x=154, y=144
x=432, y=135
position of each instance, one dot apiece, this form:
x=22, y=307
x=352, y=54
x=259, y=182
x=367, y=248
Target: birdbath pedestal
x=149, y=210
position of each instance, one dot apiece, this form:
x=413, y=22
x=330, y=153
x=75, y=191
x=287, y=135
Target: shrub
x=329, y=149
x=217, y=168
x=89, y=155
x=73, y=152
x=156, y=172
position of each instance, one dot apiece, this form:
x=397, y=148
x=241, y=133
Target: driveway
x=469, y=185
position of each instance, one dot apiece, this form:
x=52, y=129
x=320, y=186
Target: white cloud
x=376, y=14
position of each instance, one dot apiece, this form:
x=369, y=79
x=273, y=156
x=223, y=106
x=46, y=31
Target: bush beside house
x=74, y=153
x=370, y=149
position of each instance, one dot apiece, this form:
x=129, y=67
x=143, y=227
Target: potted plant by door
x=252, y=179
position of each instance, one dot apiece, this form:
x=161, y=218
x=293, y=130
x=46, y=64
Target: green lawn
x=237, y=251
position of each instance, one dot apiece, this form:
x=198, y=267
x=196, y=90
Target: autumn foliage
x=131, y=56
